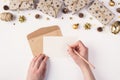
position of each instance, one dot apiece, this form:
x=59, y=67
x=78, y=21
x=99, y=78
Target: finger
x=33, y=61
x=45, y=59
x=43, y=64
x=39, y=60
x=71, y=52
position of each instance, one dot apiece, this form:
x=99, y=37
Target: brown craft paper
x=36, y=38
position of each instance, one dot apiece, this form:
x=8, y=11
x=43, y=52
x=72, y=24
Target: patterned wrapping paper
x=75, y=5
x=21, y=4
x=100, y=12
x=50, y=7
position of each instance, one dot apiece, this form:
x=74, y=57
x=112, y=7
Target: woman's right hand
x=82, y=50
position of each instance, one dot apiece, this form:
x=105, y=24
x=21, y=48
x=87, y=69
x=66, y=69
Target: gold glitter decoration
x=87, y=26
x=22, y=19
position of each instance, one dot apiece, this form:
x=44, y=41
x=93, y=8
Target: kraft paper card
x=36, y=38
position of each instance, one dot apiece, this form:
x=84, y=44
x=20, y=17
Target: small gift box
x=21, y=4
x=75, y=5
x=50, y=7
x=100, y=12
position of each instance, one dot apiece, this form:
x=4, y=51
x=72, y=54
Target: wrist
x=87, y=73
x=84, y=67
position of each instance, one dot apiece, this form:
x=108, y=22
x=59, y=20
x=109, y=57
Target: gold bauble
x=75, y=26
x=112, y=3
x=115, y=28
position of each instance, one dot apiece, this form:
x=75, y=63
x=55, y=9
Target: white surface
x=105, y=59
x=15, y=53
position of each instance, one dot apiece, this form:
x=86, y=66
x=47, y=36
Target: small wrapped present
x=100, y=12
x=50, y=7
x=75, y=5
x=21, y=4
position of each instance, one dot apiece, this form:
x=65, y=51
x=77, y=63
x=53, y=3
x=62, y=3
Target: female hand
x=81, y=49
x=37, y=68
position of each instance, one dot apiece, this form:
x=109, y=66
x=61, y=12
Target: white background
x=104, y=58
x=15, y=53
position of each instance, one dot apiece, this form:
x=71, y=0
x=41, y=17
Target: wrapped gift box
x=100, y=12
x=21, y=4
x=75, y=5
x=50, y=7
